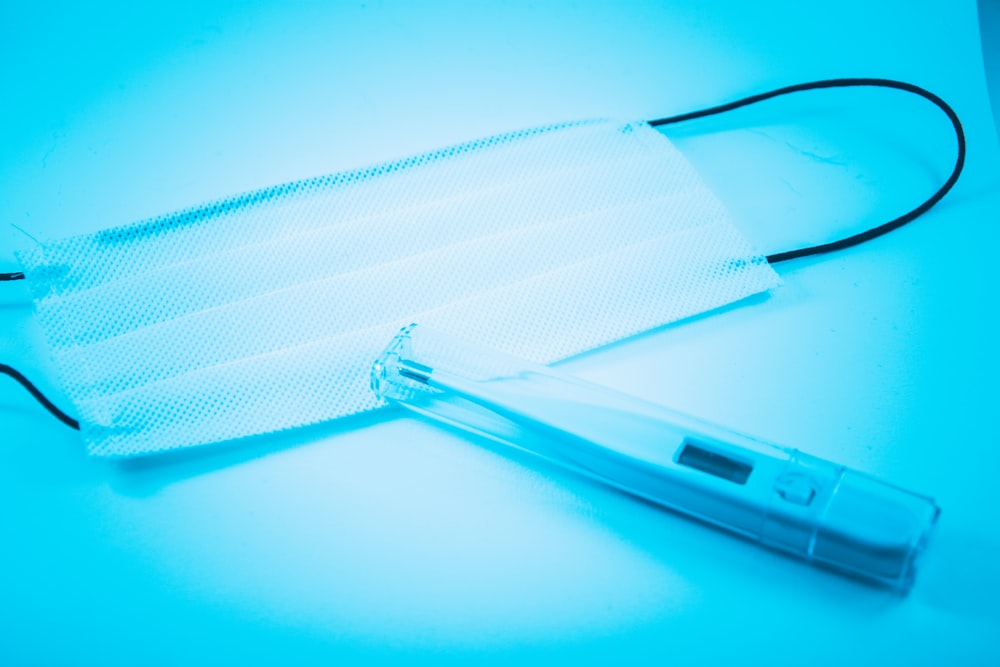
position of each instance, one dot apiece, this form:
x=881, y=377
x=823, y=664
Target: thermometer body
x=781, y=497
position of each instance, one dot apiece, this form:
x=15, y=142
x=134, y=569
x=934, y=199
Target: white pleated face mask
x=263, y=312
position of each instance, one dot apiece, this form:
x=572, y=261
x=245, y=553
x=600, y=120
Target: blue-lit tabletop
x=384, y=538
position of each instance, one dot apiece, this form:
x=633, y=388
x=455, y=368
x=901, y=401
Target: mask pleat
x=84, y=261
x=629, y=291
x=246, y=271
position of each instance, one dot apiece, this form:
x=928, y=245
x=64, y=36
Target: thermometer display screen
x=699, y=458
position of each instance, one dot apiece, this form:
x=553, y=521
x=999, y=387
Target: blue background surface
x=384, y=538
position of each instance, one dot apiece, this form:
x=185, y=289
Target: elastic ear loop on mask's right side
x=873, y=232
x=840, y=244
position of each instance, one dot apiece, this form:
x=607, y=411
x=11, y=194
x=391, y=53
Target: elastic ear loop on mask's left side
x=839, y=244
x=40, y=397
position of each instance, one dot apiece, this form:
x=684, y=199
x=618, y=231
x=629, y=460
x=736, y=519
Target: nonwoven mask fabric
x=263, y=312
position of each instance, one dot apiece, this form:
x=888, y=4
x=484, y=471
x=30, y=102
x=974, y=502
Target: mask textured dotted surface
x=264, y=312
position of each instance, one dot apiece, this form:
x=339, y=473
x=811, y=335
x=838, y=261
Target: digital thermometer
x=785, y=499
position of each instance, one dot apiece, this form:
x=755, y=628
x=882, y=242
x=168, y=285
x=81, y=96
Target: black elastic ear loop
x=879, y=230
x=27, y=384
x=671, y=120
x=40, y=397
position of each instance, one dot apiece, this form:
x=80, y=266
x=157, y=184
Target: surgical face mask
x=262, y=312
